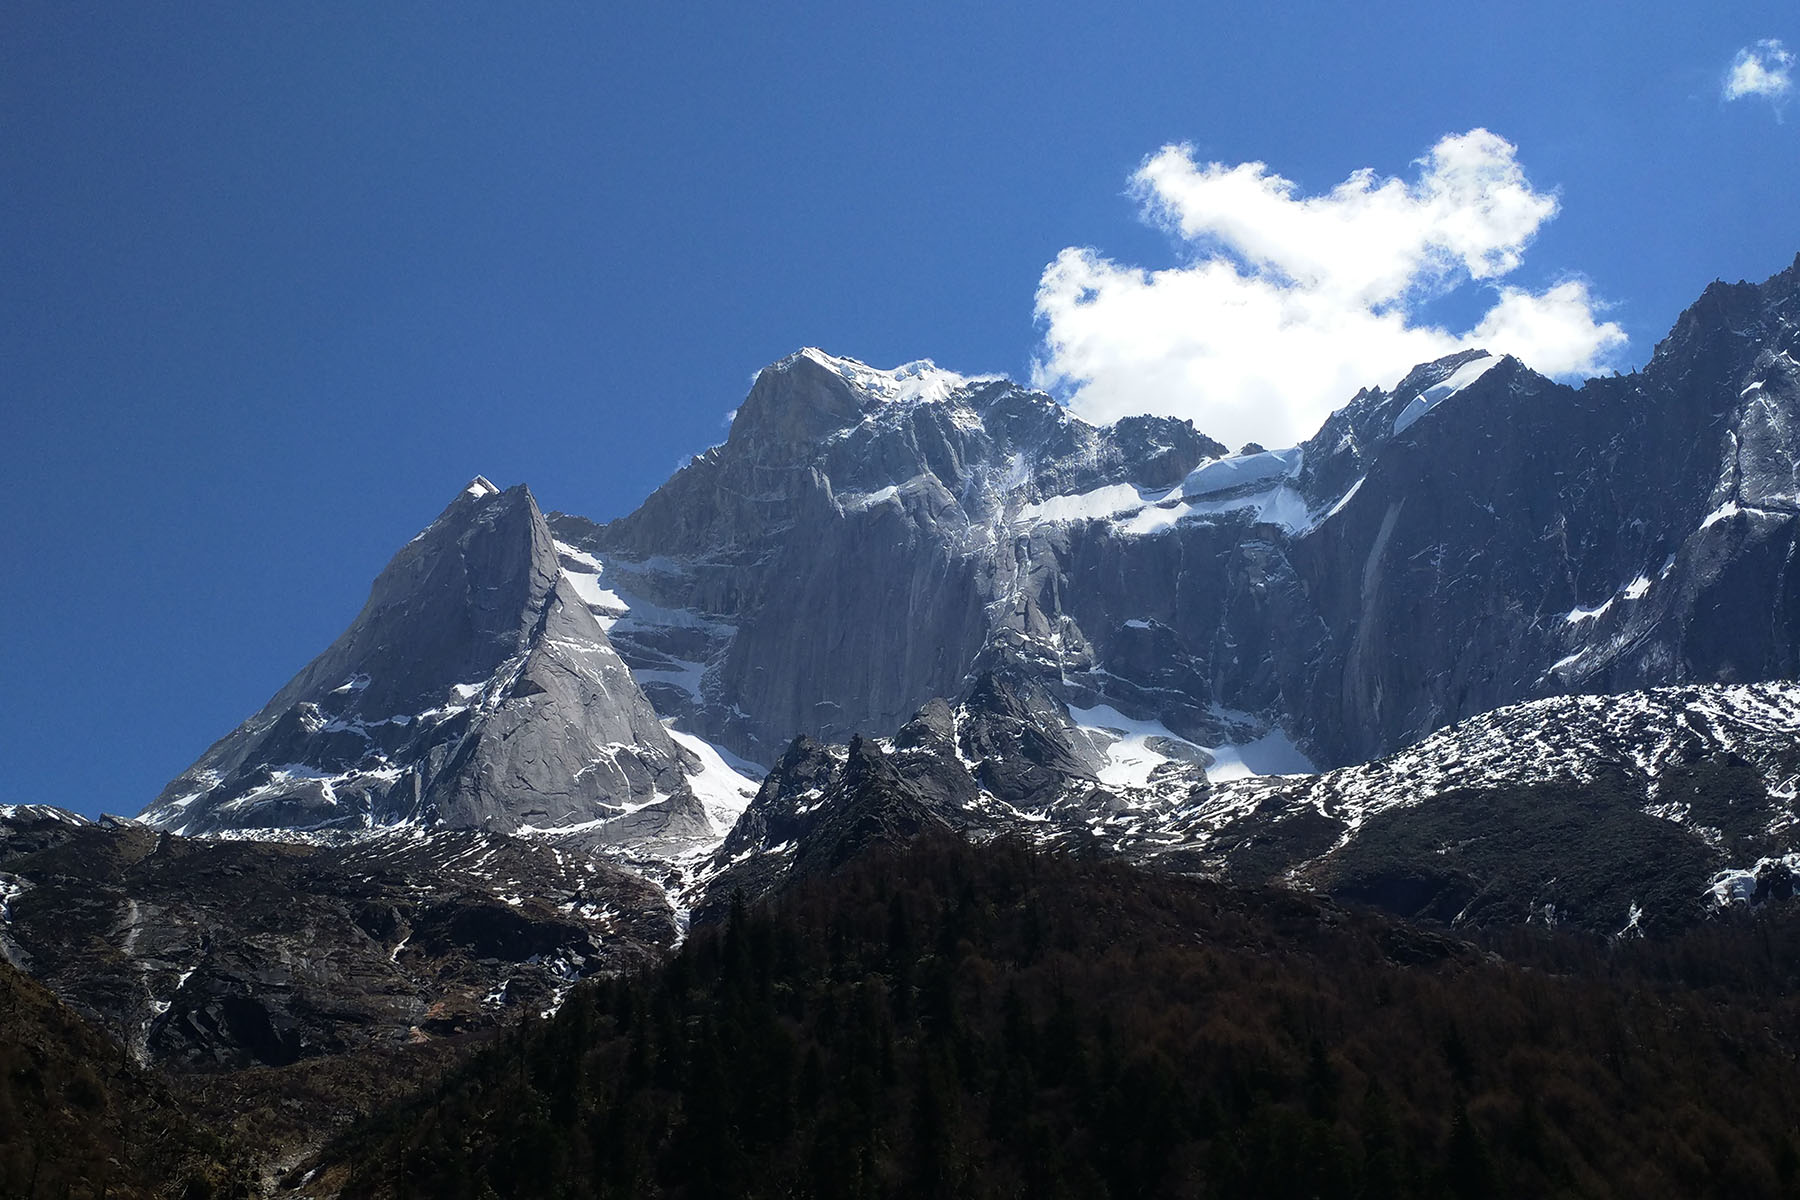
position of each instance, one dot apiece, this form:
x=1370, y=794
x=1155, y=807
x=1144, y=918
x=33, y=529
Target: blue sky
x=279, y=279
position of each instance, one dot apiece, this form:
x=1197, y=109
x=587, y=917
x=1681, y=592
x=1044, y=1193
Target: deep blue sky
x=277, y=279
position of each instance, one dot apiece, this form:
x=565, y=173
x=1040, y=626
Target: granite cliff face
x=1529, y=539
x=848, y=551
x=475, y=689
x=865, y=540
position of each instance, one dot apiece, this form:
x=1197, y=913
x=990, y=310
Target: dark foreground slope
x=203, y=954
x=947, y=1021
x=78, y=1119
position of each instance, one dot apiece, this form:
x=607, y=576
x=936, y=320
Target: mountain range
x=1487, y=651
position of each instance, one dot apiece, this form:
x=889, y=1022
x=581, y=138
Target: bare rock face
x=1095, y=629
x=475, y=689
x=852, y=547
x=1024, y=747
x=1528, y=539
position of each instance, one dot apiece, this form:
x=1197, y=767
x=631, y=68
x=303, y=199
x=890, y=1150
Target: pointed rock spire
x=475, y=688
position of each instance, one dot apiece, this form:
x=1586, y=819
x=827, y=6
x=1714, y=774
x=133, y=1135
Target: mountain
x=475, y=690
x=866, y=540
x=851, y=549
x=1503, y=658
x=1127, y=635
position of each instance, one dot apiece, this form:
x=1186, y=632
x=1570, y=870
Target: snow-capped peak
x=480, y=487
x=920, y=380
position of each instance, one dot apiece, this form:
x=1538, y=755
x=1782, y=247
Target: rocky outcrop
x=818, y=809
x=1530, y=539
x=1636, y=813
x=84, y=1120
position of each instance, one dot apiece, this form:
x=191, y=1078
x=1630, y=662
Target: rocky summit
x=476, y=689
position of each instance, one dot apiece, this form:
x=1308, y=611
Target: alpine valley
x=1494, y=679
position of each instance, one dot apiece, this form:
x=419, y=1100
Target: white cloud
x=1765, y=69
x=1291, y=303
x=1553, y=331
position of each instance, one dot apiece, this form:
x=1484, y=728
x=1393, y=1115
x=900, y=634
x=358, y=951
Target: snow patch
x=1135, y=749
x=609, y=603
x=1272, y=754
x=580, y=558
x=1344, y=499
x=725, y=788
x=1097, y=505
x=1257, y=482
x=858, y=501
x=1577, y=615
x=11, y=888
x=1281, y=505
x=1437, y=393
x=1154, y=519
x=683, y=674
x=1737, y=885
x=1238, y=471
x=1724, y=512
x=1635, y=590
x=41, y=812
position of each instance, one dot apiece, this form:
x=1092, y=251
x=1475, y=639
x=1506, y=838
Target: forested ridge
x=947, y=1020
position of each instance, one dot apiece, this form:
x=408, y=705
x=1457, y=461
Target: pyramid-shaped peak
x=475, y=688
x=480, y=503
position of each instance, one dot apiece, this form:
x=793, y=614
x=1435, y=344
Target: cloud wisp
x=1765, y=69
x=1290, y=303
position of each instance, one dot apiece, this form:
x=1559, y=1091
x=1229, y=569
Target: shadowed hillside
x=77, y=1119
x=946, y=1021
